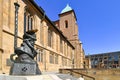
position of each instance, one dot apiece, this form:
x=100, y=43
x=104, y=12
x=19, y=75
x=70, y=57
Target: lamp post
x=25, y=19
x=16, y=25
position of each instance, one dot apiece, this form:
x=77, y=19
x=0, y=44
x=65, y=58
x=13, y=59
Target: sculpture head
x=31, y=36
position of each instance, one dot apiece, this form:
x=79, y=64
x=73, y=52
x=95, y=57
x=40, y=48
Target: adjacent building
x=105, y=60
x=57, y=43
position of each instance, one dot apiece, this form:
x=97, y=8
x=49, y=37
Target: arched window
x=39, y=57
x=50, y=37
x=66, y=24
x=28, y=20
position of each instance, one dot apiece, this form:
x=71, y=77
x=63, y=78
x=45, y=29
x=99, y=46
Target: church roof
x=66, y=9
x=45, y=16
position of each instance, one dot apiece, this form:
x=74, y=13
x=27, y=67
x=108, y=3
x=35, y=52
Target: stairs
x=61, y=76
x=66, y=77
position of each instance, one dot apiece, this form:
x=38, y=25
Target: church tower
x=67, y=24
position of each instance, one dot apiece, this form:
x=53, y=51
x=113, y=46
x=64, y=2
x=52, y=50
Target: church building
x=57, y=44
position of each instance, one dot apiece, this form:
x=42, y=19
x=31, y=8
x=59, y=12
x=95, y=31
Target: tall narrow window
x=56, y=42
x=56, y=59
x=65, y=47
x=66, y=24
x=61, y=45
x=65, y=62
x=39, y=57
x=41, y=34
x=31, y=21
x=71, y=55
x=49, y=38
x=62, y=61
x=28, y=20
x=51, y=57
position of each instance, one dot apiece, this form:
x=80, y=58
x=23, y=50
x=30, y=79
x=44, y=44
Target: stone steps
x=61, y=76
x=66, y=77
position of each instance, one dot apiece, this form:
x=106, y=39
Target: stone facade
x=54, y=49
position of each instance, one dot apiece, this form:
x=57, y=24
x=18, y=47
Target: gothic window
x=51, y=57
x=65, y=47
x=28, y=20
x=50, y=38
x=66, y=24
x=41, y=34
x=57, y=42
x=56, y=59
x=61, y=45
x=63, y=61
x=71, y=53
x=39, y=57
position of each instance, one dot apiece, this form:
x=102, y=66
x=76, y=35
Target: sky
x=98, y=22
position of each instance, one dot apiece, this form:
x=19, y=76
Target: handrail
x=83, y=74
x=79, y=73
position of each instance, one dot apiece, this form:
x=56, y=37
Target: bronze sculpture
x=26, y=53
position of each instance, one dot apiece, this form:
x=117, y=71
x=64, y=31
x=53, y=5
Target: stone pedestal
x=23, y=69
x=40, y=77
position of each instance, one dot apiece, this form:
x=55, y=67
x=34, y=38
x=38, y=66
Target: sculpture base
x=23, y=69
x=40, y=77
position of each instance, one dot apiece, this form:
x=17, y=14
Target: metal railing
x=71, y=71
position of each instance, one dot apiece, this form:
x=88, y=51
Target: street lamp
x=16, y=24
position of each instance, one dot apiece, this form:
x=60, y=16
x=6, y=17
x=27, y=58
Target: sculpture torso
x=26, y=52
